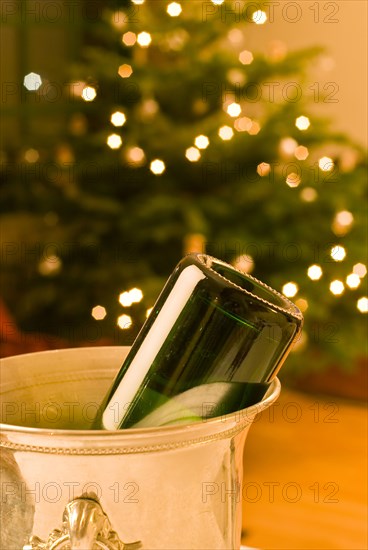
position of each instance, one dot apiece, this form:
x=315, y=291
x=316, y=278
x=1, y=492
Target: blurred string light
x=31, y=156
x=315, y=272
x=129, y=297
x=217, y=2
x=135, y=155
x=193, y=154
x=360, y=269
x=290, y=289
x=118, y=118
x=89, y=93
x=234, y=109
x=125, y=70
x=293, y=179
x=129, y=38
x=362, y=304
x=259, y=17
x=202, y=142
x=98, y=313
x=174, y=9
x=263, y=169
x=301, y=152
x=246, y=57
x=342, y=222
x=255, y=128
x=337, y=287
x=50, y=266
x=302, y=123
x=144, y=39
x=114, y=141
x=149, y=311
x=353, y=280
x=326, y=164
x=158, y=167
x=288, y=146
x=338, y=253
x=138, y=2
x=124, y=321
x=32, y=82
x=302, y=304
x=235, y=36
x=308, y=194
x=226, y=133
x=243, y=124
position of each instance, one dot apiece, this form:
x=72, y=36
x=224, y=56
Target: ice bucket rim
x=194, y=432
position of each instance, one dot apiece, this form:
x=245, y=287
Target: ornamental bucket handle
x=66, y=486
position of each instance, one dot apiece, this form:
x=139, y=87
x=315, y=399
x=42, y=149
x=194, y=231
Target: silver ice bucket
x=171, y=488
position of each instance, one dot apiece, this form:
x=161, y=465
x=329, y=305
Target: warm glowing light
x=150, y=107
x=149, y=311
x=302, y=304
x=342, y=222
x=202, y=142
x=259, y=17
x=315, y=272
x=124, y=321
x=89, y=93
x=243, y=124
x=174, y=9
x=119, y=19
x=31, y=156
x=308, y=194
x=338, y=253
x=244, y=263
x=136, y=295
x=353, y=280
x=233, y=109
x=288, y=145
x=51, y=265
x=118, y=118
x=99, y=313
x=193, y=154
x=135, y=155
x=246, y=57
x=125, y=70
x=129, y=38
x=226, y=133
x=157, y=166
x=144, y=39
x=138, y=2
x=301, y=152
x=337, y=287
x=344, y=218
x=360, y=269
x=114, y=141
x=302, y=123
x=362, y=304
x=293, y=179
x=217, y=2
x=130, y=297
x=235, y=36
x=32, y=81
x=263, y=169
x=290, y=289
x=326, y=164
x=254, y=129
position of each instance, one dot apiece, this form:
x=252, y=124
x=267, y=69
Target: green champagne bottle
x=212, y=344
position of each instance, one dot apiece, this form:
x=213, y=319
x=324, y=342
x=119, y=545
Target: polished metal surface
x=177, y=487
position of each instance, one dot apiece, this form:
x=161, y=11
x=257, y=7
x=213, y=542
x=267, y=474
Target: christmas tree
x=178, y=138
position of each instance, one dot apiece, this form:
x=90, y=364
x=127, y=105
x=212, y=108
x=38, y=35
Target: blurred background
x=135, y=131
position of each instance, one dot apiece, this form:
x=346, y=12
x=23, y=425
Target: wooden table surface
x=305, y=475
